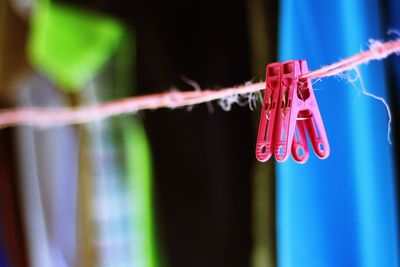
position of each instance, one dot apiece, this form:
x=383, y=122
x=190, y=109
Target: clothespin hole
x=321, y=147
x=263, y=149
x=300, y=151
x=280, y=150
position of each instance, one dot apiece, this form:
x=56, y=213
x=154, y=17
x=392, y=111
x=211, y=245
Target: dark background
x=202, y=188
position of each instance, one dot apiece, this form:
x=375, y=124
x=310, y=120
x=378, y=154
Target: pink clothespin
x=289, y=109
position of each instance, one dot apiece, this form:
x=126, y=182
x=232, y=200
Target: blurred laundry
x=178, y=188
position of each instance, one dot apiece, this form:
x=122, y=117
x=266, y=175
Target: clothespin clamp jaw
x=266, y=134
x=289, y=110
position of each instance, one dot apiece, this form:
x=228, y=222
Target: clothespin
x=289, y=110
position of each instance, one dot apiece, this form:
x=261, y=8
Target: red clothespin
x=288, y=110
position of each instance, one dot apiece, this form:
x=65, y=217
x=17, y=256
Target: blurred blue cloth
x=340, y=211
x=394, y=27
x=3, y=260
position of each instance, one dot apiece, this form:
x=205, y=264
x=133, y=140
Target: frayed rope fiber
x=48, y=117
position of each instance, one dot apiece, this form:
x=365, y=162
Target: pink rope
x=39, y=116
x=377, y=51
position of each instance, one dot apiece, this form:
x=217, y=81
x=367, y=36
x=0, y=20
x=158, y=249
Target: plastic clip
x=289, y=110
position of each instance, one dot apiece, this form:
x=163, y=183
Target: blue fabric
x=340, y=211
x=3, y=262
x=3, y=257
x=394, y=24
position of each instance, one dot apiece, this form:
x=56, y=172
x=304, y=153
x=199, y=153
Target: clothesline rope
x=47, y=117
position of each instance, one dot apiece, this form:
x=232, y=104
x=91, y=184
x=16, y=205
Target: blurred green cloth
x=69, y=45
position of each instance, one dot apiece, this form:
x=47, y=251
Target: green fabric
x=140, y=183
x=70, y=45
x=138, y=163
